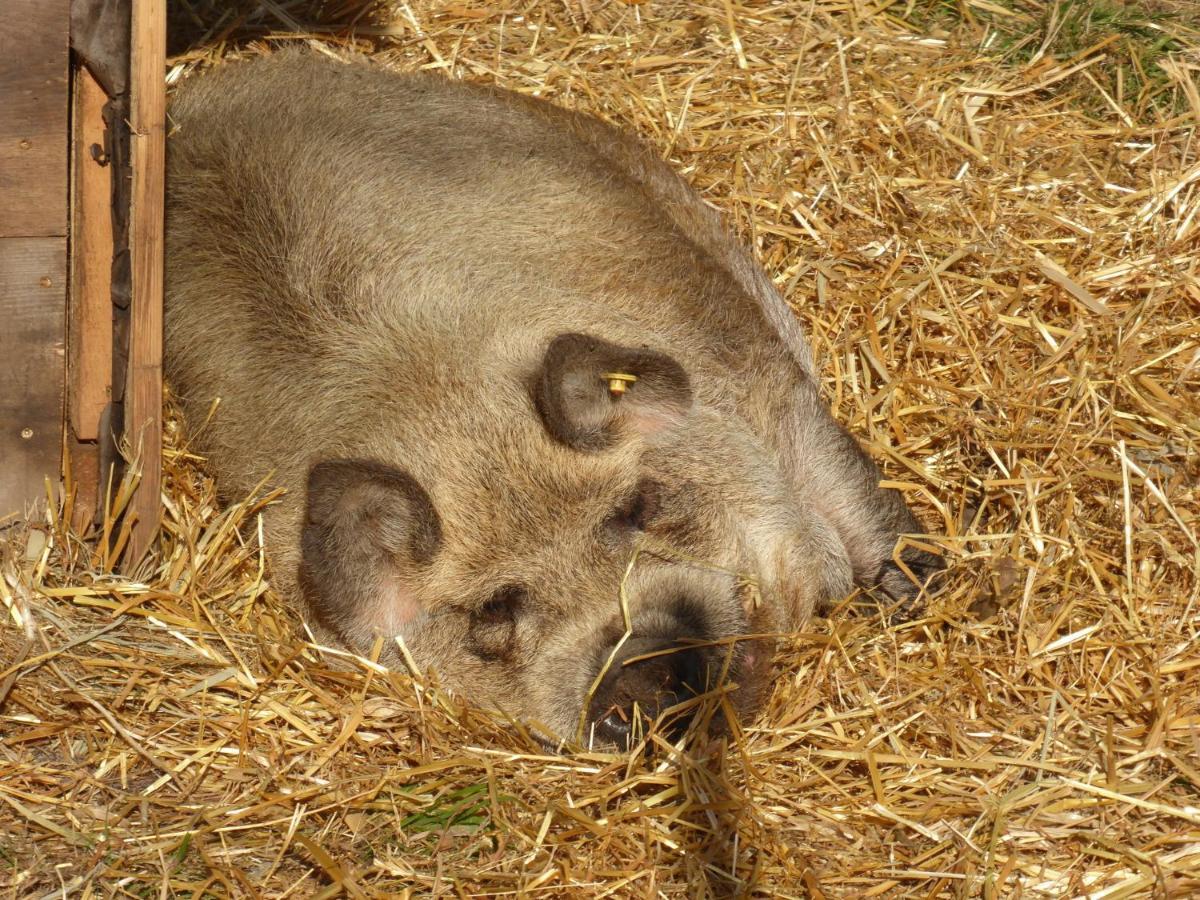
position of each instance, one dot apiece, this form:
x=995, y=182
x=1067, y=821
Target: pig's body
x=423, y=285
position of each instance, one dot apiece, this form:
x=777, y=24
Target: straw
x=1002, y=286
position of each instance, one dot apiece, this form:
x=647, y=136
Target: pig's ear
x=368, y=529
x=589, y=390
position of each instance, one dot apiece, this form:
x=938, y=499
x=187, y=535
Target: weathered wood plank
x=33, y=295
x=143, y=413
x=33, y=226
x=33, y=117
x=89, y=324
x=85, y=482
x=89, y=316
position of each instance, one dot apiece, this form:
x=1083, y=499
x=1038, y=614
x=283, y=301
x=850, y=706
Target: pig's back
x=331, y=226
x=321, y=165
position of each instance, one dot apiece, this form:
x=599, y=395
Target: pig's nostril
x=690, y=673
x=615, y=727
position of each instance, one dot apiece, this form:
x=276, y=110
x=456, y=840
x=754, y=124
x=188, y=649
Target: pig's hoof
x=898, y=595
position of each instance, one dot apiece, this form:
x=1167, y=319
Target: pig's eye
x=501, y=607
x=494, y=624
x=638, y=509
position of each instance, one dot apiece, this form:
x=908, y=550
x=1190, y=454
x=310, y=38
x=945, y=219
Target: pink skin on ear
x=396, y=606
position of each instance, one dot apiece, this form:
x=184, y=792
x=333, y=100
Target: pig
x=544, y=426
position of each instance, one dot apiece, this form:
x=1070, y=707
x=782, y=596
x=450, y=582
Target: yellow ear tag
x=618, y=383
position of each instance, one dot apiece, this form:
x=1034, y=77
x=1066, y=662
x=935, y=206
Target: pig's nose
x=647, y=676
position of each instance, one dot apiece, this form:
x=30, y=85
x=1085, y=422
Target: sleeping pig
x=540, y=419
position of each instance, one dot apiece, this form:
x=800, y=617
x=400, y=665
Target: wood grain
x=33, y=295
x=90, y=313
x=89, y=323
x=143, y=414
x=33, y=246
x=33, y=118
x=83, y=457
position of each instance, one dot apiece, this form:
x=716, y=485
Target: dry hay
x=1004, y=295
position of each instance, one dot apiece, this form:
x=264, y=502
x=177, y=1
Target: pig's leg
x=834, y=474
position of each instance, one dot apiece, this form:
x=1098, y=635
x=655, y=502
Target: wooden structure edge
x=82, y=155
x=143, y=392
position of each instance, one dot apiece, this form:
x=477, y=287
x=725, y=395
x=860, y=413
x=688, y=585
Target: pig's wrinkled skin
x=407, y=293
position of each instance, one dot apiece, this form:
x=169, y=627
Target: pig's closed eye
x=503, y=606
x=637, y=510
x=494, y=623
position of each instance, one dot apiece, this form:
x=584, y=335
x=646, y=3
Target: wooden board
x=33, y=118
x=143, y=395
x=90, y=313
x=89, y=325
x=82, y=465
x=33, y=247
x=33, y=302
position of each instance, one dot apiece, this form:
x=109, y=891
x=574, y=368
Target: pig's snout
x=645, y=677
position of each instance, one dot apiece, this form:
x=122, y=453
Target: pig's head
x=583, y=557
